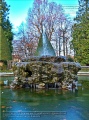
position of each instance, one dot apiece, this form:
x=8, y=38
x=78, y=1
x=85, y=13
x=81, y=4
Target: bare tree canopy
x=56, y=23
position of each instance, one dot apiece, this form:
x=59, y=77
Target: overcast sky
x=19, y=8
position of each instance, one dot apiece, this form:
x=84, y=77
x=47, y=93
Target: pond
x=43, y=104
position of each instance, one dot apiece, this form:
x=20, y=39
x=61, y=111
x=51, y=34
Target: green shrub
x=70, y=59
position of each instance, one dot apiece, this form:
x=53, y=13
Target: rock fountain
x=45, y=69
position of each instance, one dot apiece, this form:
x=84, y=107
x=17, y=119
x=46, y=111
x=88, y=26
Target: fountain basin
x=48, y=69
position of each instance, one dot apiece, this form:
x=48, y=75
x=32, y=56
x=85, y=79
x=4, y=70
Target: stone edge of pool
x=12, y=74
x=83, y=73
x=6, y=74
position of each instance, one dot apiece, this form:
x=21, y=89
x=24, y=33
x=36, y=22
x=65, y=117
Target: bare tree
x=57, y=25
x=23, y=46
x=52, y=15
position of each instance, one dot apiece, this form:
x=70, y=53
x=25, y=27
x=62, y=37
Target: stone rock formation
x=46, y=70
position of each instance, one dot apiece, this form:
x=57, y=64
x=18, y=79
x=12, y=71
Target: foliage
x=5, y=23
x=84, y=70
x=5, y=69
x=70, y=58
x=85, y=84
x=14, y=67
x=80, y=33
x=6, y=35
x=5, y=53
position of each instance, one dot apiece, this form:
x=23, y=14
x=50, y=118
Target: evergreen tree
x=6, y=35
x=5, y=53
x=5, y=23
x=80, y=33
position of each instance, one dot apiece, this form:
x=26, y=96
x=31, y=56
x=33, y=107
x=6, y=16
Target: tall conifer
x=80, y=33
x=5, y=33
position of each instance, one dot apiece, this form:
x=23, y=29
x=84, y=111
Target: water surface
x=54, y=104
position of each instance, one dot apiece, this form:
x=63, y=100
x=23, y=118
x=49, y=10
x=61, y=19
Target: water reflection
x=18, y=104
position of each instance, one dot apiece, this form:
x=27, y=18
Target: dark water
x=54, y=104
x=10, y=78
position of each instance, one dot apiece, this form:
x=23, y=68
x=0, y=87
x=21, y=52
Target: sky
x=19, y=9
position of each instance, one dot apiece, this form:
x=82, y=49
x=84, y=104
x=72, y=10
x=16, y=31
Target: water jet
x=45, y=69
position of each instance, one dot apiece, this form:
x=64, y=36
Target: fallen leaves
x=14, y=101
x=3, y=106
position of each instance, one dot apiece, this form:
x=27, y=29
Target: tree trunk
x=59, y=47
x=63, y=43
